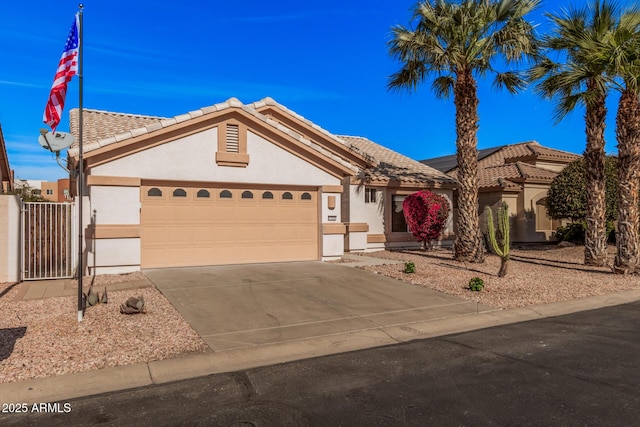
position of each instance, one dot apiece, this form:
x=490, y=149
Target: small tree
x=28, y=194
x=426, y=214
x=567, y=196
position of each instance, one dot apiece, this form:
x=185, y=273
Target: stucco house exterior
x=238, y=183
x=519, y=175
x=6, y=173
x=9, y=216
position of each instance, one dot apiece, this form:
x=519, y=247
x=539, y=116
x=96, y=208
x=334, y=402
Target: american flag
x=67, y=68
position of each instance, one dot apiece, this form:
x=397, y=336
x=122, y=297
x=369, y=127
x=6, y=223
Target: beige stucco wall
x=193, y=159
x=110, y=205
x=9, y=238
x=522, y=212
x=332, y=246
x=114, y=256
x=115, y=205
x=533, y=193
x=330, y=216
x=371, y=214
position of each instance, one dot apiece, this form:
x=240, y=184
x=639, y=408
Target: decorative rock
x=133, y=306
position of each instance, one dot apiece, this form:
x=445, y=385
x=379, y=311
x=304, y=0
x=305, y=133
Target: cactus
x=500, y=248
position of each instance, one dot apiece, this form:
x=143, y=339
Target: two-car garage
x=191, y=224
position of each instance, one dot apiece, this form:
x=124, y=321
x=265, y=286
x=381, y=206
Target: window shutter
x=233, y=139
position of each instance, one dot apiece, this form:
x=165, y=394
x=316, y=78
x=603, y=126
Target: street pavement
x=579, y=369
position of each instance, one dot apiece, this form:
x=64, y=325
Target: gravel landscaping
x=537, y=275
x=42, y=337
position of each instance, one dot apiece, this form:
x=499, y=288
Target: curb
x=65, y=387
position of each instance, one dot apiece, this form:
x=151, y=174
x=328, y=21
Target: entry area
x=244, y=306
x=195, y=224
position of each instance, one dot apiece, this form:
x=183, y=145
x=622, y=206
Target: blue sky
x=327, y=61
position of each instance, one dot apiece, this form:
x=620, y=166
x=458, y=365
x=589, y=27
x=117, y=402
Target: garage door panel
x=193, y=231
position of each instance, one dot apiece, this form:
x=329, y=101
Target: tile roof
x=506, y=153
x=447, y=163
x=508, y=165
x=103, y=124
x=390, y=165
x=510, y=175
x=531, y=150
x=110, y=128
x=103, y=128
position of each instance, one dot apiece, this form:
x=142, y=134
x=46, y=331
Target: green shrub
x=574, y=232
x=476, y=284
x=409, y=267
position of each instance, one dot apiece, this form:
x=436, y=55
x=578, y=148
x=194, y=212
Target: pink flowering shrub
x=426, y=214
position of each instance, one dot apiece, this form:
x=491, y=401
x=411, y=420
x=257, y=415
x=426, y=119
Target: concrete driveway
x=247, y=305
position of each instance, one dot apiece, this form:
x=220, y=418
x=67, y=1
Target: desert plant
x=500, y=248
x=409, y=267
x=426, y=214
x=476, y=284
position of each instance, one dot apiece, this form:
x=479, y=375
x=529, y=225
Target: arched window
x=247, y=195
x=154, y=192
x=287, y=196
x=267, y=195
x=203, y=193
x=225, y=194
x=305, y=196
x=179, y=192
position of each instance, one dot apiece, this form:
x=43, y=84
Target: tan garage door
x=192, y=225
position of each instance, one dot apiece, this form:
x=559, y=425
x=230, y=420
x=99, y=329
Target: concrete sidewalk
x=314, y=344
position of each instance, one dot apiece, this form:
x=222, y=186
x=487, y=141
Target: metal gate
x=47, y=240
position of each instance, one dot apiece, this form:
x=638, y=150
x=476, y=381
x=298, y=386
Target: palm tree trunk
x=468, y=246
x=595, y=239
x=628, y=135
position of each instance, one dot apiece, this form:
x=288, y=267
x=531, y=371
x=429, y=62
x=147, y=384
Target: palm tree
x=620, y=51
x=454, y=43
x=580, y=80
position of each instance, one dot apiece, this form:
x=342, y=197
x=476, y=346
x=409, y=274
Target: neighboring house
x=6, y=174
x=33, y=186
x=57, y=191
x=520, y=175
x=9, y=219
x=234, y=183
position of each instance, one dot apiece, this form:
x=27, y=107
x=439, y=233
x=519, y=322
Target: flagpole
x=80, y=170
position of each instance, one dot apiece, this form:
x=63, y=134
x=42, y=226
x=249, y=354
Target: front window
x=398, y=223
x=370, y=195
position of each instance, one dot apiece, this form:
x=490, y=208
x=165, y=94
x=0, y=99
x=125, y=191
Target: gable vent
x=233, y=139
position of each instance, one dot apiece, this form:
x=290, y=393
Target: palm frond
x=449, y=36
x=443, y=86
x=509, y=80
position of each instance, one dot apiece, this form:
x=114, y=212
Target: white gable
x=192, y=158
